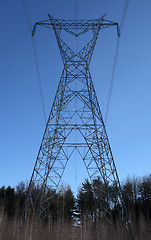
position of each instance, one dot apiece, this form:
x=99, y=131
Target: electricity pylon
x=75, y=110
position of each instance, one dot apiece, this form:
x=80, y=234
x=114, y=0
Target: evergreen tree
x=85, y=201
x=10, y=204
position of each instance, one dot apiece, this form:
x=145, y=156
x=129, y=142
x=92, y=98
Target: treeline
x=88, y=202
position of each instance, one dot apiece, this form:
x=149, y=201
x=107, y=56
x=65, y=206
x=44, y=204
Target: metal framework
x=75, y=110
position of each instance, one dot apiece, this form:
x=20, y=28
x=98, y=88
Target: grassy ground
x=11, y=230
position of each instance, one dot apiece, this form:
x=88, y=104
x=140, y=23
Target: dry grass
x=11, y=230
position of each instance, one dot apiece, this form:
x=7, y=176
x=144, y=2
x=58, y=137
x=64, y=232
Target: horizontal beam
x=76, y=24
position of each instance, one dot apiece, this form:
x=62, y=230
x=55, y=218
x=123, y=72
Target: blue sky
x=21, y=115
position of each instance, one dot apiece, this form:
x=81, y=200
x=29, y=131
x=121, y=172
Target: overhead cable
x=35, y=58
x=76, y=51
x=115, y=60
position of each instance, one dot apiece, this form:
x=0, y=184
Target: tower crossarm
x=76, y=24
x=75, y=28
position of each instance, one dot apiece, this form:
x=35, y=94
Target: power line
x=47, y=6
x=115, y=59
x=35, y=58
x=112, y=79
x=76, y=50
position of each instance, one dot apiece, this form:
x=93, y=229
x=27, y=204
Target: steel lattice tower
x=65, y=119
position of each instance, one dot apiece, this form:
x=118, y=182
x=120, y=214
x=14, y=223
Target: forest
x=78, y=217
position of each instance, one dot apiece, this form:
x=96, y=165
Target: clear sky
x=21, y=117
